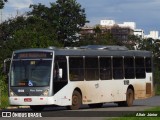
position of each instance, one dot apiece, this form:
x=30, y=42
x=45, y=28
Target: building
x=119, y=33
x=105, y=23
x=153, y=34
x=131, y=25
x=139, y=33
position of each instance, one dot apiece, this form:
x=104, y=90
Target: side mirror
x=60, y=72
x=4, y=68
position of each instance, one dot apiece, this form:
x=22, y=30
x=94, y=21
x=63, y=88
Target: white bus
x=72, y=77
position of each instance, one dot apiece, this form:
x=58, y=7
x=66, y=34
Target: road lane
x=139, y=105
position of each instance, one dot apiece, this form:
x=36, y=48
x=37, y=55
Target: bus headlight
x=12, y=93
x=45, y=93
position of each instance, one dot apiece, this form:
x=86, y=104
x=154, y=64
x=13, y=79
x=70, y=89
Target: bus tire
x=37, y=107
x=129, y=98
x=76, y=101
x=97, y=105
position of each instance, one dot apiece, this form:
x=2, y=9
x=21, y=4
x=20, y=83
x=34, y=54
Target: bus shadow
x=87, y=108
x=83, y=108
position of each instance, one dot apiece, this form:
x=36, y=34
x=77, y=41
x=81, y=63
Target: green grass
x=136, y=118
x=4, y=100
x=130, y=117
x=157, y=89
x=154, y=109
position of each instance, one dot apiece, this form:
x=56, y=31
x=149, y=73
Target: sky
x=145, y=13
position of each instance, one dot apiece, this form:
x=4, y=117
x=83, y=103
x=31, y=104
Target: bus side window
x=129, y=67
x=55, y=71
x=60, y=63
x=105, y=68
x=118, y=68
x=76, y=69
x=140, y=68
x=91, y=68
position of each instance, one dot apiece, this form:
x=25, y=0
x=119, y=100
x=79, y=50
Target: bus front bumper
x=34, y=100
x=39, y=100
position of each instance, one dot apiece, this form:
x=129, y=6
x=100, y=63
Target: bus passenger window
x=129, y=67
x=59, y=81
x=118, y=68
x=105, y=68
x=76, y=69
x=91, y=68
x=55, y=71
x=60, y=63
x=140, y=68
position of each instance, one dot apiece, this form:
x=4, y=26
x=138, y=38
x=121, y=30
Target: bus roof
x=91, y=50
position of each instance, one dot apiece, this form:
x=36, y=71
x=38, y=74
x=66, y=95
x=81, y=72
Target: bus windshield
x=30, y=73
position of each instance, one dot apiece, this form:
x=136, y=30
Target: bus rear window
x=148, y=64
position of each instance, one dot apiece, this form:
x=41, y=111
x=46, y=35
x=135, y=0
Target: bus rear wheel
x=129, y=99
x=97, y=105
x=76, y=101
x=37, y=107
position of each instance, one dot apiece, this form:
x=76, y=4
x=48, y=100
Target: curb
x=16, y=107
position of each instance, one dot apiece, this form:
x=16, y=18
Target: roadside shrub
x=3, y=92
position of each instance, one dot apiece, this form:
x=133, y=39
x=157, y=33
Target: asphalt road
x=108, y=110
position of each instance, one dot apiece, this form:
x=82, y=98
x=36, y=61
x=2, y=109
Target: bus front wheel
x=76, y=101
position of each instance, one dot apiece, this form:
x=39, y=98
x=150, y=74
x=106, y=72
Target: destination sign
x=32, y=55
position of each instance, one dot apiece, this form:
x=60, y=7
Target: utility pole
x=1, y=15
x=17, y=12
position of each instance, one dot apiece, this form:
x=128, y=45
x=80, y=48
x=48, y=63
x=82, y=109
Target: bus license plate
x=27, y=99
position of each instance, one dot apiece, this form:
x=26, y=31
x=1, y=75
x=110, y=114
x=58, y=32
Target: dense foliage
x=2, y=2
x=43, y=26
x=59, y=25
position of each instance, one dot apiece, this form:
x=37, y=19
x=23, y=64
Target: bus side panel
x=143, y=87
x=149, y=85
x=112, y=90
x=64, y=96
x=101, y=91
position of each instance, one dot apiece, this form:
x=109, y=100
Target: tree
x=153, y=46
x=66, y=16
x=132, y=41
x=71, y=17
x=37, y=34
x=2, y=2
x=8, y=27
x=42, y=27
x=25, y=32
x=149, y=45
